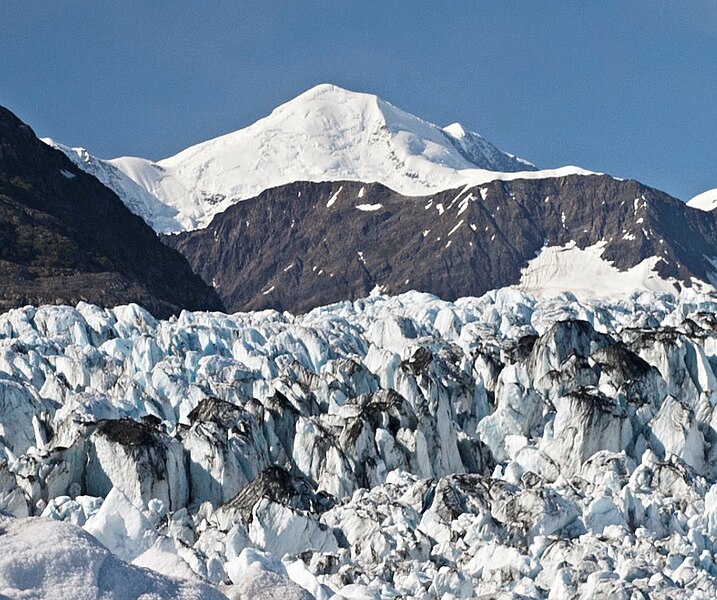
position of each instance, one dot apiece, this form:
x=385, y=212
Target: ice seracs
x=392, y=446
x=325, y=134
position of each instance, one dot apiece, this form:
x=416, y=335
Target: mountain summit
x=325, y=134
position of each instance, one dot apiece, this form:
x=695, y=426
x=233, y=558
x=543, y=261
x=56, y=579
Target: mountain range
x=532, y=442
x=338, y=194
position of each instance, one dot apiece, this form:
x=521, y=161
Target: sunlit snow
x=325, y=134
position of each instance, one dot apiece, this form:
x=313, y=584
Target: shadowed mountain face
x=64, y=237
x=305, y=244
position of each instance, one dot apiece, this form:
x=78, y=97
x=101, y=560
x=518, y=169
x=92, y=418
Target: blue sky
x=627, y=88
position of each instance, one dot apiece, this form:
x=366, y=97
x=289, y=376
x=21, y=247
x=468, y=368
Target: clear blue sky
x=628, y=88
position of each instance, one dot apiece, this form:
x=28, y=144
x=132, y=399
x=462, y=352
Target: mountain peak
x=456, y=130
x=327, y=133
x=322, y=99
x=329, y=89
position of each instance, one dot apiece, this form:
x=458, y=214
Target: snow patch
x=369, y=207
x=335, y=195
x=455, y=228
x=586, y=274
x=463, y=206
x=706, y=201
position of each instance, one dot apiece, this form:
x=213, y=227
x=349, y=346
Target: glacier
x=505, y=446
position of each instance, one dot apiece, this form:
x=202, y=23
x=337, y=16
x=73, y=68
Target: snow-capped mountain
x=142, y=203
x=325, y=134
x=353, y=194
x=527, y=443
x=705, y=201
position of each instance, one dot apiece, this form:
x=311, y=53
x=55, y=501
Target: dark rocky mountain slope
x=64, y=237
x=305, y=244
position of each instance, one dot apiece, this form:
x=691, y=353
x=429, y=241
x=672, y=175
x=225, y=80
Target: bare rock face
x=306, y=244
x=64, y=237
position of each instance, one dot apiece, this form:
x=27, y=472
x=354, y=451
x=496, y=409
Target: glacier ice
x=390, y=447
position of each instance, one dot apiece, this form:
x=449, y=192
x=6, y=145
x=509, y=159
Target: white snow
x=463, y=206
x=706, y=201
x=584, y=273
x=325, y=134
x=67, y=174
x=42, y=559
x=456, y=130
x=369, y=207
x=456, y=228
x=335, y=195
x=137, y=196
